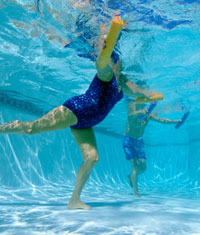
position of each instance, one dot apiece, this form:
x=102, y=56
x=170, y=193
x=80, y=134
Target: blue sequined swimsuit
x=93, y=106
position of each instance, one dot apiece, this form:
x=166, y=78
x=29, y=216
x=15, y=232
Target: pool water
x=38, y=73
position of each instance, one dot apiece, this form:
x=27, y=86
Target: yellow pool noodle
x=113, y=33
x=154, y=97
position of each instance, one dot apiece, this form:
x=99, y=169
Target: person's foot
x=77, y=204
x=137, y=194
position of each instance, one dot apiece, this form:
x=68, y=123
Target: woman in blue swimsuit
x=81, y=113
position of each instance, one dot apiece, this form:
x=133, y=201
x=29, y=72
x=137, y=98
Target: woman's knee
x=29, y=130
x=92, y=157
x=24, y=128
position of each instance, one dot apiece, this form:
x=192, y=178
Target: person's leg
x=86, y=142
x=134, y=176
x=138, y=167
x=141, y=165
x=59, y=118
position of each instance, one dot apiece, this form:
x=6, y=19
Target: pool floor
x=111, y=214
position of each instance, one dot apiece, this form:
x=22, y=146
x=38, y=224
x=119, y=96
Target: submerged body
x=80, y=113
x=133, y=143
x=93, y=106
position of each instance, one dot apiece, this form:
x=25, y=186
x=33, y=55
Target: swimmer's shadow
x=92, y=204
x=109, y=204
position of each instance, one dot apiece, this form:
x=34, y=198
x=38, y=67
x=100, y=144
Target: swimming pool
x=37, y=173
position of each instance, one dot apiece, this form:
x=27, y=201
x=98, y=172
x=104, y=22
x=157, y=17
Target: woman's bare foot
x=77, y=204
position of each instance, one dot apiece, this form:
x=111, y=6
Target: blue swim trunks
x=133, y=148
x=93, y=106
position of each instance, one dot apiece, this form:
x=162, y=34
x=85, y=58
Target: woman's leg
x=59, y=118
x=86, y=142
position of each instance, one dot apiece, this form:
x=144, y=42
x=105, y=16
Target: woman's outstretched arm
x=104, y=69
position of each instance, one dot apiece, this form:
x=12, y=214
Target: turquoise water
x=37, y=173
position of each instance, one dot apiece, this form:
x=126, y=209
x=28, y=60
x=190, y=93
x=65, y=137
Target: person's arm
x=130, y=88
x=106, y=73
x=139, y=112
x=104, y=70
x=155, y=118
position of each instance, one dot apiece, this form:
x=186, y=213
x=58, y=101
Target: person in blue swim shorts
x=81, y=113
x=133, y=143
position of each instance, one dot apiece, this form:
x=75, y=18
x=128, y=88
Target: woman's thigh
x=58, y=118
